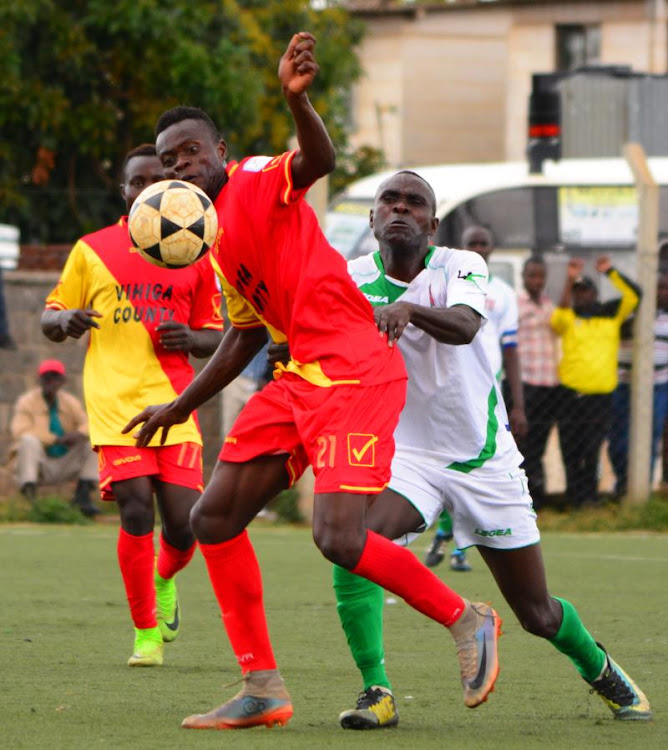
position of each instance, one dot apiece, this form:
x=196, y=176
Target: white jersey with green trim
x=454, y=408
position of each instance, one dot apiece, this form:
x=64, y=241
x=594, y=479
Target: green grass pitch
x=66, y=636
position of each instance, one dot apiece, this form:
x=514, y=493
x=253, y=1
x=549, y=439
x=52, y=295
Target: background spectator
x=50, y=432
x=618, y=438
x=538, y=354
x=589, y=331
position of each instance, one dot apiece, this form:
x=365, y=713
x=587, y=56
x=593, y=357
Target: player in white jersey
x=499, y=338
x=454, y=451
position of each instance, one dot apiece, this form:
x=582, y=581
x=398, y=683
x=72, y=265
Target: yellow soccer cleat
x=623, y=697
x=375, y=709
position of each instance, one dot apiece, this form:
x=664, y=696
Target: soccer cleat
x=436, y=553
x=624, y=698
x=375, y=709
x=459, y=562
x=148, y=650
x=167, y=608
x=263, y=701
x=476, y=633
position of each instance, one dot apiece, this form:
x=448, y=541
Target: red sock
x=237, y=583
x=171, y=560
x=136, y=558
x=398, y=570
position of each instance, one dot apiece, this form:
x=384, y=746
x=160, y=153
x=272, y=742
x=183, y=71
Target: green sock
x=359, y=603
x=445, y=523
x=574, y=640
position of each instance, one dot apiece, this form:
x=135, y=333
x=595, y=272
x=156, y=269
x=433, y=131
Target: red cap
x=51, y=365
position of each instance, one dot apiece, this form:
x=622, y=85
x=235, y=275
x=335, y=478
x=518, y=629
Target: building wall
x=25, y=293
x=452, y=84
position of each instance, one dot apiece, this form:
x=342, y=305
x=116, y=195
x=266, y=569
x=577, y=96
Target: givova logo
x=493, y=532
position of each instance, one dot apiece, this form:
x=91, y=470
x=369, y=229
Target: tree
x=83, y=81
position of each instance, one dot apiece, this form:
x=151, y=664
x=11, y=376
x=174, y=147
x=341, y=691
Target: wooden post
x=642, y=375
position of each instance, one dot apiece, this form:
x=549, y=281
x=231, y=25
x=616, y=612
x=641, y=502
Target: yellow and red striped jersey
x=126, y=367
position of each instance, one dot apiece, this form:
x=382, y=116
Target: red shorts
x=173, y=464
x=345, y=432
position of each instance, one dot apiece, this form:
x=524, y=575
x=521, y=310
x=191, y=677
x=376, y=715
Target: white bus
x=577, y=207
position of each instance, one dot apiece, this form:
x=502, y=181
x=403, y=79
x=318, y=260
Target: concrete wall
x=25, y=292
x=451, y=84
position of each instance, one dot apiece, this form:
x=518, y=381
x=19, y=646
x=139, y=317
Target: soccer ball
x=172, y=223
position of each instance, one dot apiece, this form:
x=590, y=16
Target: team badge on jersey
x=362, y=449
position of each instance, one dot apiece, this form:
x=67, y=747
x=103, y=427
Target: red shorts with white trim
x=345, y=432
x=173, y=464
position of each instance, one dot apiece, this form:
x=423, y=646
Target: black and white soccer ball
x=172, y=223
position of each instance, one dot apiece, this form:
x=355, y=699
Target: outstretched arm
x=238, y=347
x=448, y=325
x=296, y=71
x=573, y=270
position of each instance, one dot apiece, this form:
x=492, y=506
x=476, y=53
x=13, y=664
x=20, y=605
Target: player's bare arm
x=573, y=270
x=57, y=325
x=296, y=71
x=454, y=325
x=180, y=337
x=235, y=351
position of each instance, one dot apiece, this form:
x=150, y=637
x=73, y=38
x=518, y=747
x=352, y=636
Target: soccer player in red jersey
x=335, y=404
x=143, y=323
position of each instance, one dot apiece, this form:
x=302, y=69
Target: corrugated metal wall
x=600, y=113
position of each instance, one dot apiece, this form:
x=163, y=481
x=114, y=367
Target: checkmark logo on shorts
x=362, y=449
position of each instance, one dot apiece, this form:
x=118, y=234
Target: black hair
x=145, y=149
x=537, y=259
x=432, y=194
x=178, y=114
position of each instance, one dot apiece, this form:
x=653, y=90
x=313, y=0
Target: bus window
x=508, y=214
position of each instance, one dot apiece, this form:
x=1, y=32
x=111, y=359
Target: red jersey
x=126, y=367
x=277, y=269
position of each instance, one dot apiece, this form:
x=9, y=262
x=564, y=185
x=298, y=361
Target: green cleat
x=375, y=709
x=623, y=697
x=148, y=650
x=167, y=607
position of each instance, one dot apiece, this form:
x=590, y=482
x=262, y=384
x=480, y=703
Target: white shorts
x=489, y=506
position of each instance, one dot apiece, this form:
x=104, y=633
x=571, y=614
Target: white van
x=576, y=207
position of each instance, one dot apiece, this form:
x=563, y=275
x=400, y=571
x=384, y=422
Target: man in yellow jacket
x=50, y=439
x=589, y=332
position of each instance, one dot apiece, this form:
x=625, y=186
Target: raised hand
x=603, y=264
x=298, y=67
x=574, y=269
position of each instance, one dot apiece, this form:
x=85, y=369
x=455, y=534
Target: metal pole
x=642, y=375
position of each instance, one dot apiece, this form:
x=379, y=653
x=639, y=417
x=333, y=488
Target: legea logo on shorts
x=362, y=449
x=493, y=532
x=127, y=460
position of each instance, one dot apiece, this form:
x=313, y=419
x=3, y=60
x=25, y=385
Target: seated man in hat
x=589, y=332
x=50, y=439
